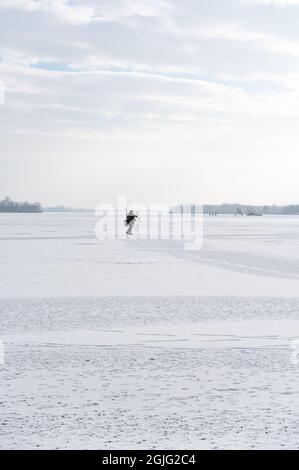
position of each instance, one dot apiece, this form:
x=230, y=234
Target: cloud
x=2, y=93
x=276, y=2
x=61, y=9
x=106, y=75
x=206, y=76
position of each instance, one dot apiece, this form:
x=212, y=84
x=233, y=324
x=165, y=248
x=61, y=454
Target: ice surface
x=49, y=255
x=140, y=343
x=188, y=372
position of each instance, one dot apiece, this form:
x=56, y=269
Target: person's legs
x=129, y=231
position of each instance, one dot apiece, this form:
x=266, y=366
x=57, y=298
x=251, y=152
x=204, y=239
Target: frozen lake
x=140, y=343
x=49, y=255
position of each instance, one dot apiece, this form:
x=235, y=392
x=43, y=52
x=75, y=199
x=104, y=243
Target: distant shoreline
x=8, y=206
x=237, y=209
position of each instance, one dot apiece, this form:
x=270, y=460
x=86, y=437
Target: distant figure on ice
x=130, y=221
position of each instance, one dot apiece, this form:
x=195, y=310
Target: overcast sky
x=158, y=100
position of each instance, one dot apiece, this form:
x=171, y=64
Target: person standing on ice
x=130, y=221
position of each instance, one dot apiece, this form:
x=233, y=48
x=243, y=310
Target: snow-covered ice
x=139, y=343
x=50, y=255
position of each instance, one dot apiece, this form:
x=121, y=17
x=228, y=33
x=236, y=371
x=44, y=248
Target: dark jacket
x=129, y=218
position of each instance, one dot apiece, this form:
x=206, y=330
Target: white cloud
x=60, y=8
x=2, y=93
x=276, y=2
x=212, y=76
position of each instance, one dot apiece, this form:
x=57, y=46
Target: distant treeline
x=239, y=209
x=244, y=209
x=65, y=209
x=8, y=205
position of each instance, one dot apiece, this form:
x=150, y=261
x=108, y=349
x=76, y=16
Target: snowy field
x=141, y=344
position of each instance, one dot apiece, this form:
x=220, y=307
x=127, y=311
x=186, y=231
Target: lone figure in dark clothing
x=130, y=221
